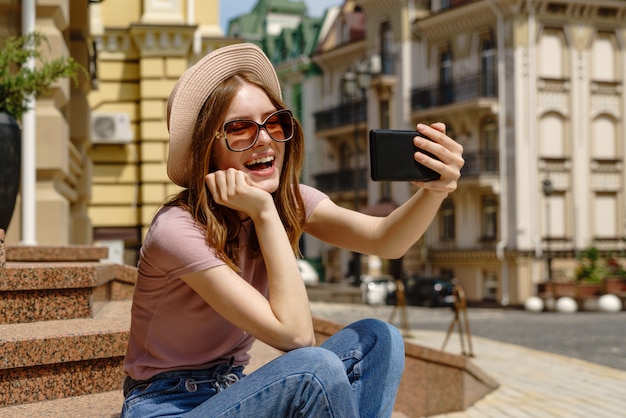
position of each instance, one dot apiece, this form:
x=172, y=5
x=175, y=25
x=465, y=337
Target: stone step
x=47, y=254
x=34, y=291
x=63, y=358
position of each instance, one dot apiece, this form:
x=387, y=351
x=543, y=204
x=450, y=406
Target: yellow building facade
x=142, y=47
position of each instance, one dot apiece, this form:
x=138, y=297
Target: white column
x=29, y=166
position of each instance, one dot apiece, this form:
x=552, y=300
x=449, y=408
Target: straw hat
x=194, y=87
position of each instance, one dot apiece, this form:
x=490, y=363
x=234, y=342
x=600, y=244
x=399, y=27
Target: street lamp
x=355, y=84
x=548, y=189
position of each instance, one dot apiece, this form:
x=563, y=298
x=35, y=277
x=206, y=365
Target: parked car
x=308, y=272
x=375, y=290
x=429, y=291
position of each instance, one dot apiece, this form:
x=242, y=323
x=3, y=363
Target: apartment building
x=534, y=92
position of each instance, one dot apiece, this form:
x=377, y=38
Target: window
x=490, y=285
x=386, y=43
x=448, y=220
x=489, y=146
x=345, y=155
x=551, y=52
x=488, y=68
x=552, y=141
x=604, y=143
x=605, y=215
x=446, y=93
x=490, y=218
x=603, y=58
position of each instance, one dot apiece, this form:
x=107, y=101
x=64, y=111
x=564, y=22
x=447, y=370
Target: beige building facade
x=62, y=169
x=534, y=92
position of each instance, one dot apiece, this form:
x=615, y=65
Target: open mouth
x=260, y=163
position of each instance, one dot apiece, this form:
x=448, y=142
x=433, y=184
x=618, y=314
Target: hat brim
x=195, y=86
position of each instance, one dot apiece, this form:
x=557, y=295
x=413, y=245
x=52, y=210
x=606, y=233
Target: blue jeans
x=355, y=373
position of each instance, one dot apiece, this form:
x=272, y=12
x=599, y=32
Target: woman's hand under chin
x=232, y=188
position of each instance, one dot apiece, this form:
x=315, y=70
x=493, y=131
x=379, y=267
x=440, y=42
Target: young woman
x=218, y=265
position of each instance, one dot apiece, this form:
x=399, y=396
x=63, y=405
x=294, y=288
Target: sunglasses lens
x=280, y=126
x=242, y=134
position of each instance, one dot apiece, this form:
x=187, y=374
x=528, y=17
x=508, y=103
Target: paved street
x=591, y=336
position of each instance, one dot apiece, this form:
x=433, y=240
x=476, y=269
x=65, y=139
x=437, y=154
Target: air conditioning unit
x=110, y=128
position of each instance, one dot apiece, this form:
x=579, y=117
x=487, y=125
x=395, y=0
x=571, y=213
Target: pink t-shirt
x=172, y=328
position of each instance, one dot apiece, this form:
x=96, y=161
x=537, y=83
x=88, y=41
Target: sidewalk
x=534, y=384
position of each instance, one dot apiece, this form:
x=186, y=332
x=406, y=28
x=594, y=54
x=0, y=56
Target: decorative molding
x=605, y=104
x=552, y=101
x=605, y=182
x=450, y=23
x=157, y=40
x=372, y=7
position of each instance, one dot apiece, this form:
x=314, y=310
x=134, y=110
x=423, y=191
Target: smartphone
x=391, y=157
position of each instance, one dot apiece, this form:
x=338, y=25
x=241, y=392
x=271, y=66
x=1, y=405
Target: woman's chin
x=269, y=184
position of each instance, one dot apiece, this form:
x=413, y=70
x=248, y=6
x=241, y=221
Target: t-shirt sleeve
x=175, y=246
x=311, y=197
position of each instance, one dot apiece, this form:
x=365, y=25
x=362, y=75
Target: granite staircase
x=64, y=321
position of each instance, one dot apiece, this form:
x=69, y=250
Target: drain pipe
x=504, y=219
x=532, y=144
x=29, y=167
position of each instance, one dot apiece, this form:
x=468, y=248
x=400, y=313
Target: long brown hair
x=220, y=224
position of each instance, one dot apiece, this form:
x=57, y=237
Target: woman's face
x=264, y=161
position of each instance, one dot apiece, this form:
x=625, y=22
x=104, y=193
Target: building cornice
x=342, y=56
x=162, y=40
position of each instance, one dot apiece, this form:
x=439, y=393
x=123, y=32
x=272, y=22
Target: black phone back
x=391, y=157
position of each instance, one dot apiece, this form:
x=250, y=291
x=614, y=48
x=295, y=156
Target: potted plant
x=614, y=280
x=17, y=83
x=590, y=273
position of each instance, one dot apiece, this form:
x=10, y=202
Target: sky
x=233, y=8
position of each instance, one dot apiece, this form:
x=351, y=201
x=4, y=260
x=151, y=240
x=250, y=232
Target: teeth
x=267, y=159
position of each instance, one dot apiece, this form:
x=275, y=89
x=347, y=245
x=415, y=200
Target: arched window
x=551, y=54
x=604, y=139
x=552, y=136
x=603, y=61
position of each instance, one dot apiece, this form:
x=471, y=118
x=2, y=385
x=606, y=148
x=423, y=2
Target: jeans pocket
x=153, y=389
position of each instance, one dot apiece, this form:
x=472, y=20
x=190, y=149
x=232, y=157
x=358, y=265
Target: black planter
x=10, y=167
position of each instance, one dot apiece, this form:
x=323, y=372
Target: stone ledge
x=42, y=253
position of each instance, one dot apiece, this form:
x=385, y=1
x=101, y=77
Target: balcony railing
x=342, y=180
x=480, y=163
x=345, y=114
x=458, y=90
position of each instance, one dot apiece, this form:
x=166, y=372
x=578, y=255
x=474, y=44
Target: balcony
x=342, y=180
x=481, y=85
x=480, y=163
x=342, y=115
